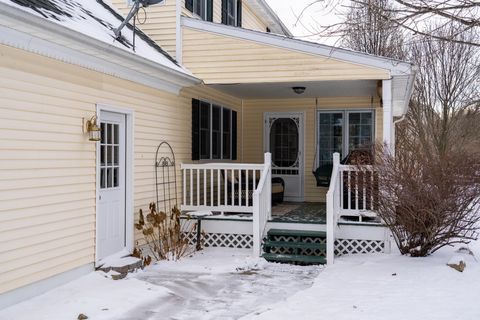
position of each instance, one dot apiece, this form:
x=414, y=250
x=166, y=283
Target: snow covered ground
x=215, y=283
x=229, y=284
x=388, y=287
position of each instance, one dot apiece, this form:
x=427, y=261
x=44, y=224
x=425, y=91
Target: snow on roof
x=97, y=19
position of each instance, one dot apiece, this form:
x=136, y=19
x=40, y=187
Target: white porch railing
x=262, y=205
x=357, y=191
x=333, y=207
x=230, y=187
x=351, y=193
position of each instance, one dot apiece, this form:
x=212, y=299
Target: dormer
x=162, y=21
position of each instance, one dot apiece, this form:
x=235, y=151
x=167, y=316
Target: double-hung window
x=342, y=132
x=214, y=131
x=232, y=12
x=202, y=8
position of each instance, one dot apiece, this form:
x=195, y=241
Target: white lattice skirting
x=245, y=241
x=352, y=246
x=228, y=240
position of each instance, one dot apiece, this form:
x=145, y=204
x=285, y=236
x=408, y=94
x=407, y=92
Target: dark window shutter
x=195, y=129
x=189, y=5
x=234, y=135
x=224, y=11
x=210, y=10
x=239, y=13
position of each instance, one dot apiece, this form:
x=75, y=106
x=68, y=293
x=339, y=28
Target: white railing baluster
x=184, y=187
x=239, y=187
x=233, y=187
x=356, y=190
x=246, y=188
x=364, y=182
x=191, y=187
x=349, y=190
x=198, y=187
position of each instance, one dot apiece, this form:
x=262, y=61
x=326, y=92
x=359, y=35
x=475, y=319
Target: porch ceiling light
x=298, y=90
x=93, y=129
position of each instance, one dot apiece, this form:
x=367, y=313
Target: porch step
x=297, y=245
x=296, y=233
x=279, y=257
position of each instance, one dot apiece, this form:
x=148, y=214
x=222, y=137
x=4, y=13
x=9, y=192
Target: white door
x=284, y=140
x=111, y=175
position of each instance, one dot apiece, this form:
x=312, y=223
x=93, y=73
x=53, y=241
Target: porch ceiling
x=314, y=89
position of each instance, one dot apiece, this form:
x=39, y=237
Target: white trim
x=387, y=112
x=395, y=67
x=35, y=34
x=302, y=144
x=129, y=176
x=269, y=17
x=15, y=296
x=345, y=128
x=178, y=32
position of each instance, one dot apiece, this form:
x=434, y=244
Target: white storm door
x=111, y=196
x=284, y=140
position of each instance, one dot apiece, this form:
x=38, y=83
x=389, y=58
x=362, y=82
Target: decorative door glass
x=284, y=140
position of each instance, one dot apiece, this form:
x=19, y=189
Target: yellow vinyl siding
x=47, y=165
x=253, y=112
x=219, y=59
x=251, y=21
x=160, y=24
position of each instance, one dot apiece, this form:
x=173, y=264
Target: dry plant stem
x=164, y=234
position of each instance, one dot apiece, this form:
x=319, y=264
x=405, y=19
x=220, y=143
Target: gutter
x=130, y=59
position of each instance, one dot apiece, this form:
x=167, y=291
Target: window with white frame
x=202, y=8
x=213, y=131
x=342, y=132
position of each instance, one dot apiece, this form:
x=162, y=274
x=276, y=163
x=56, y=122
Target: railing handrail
x=220, y=165
x=262, y=205
x=331, y=210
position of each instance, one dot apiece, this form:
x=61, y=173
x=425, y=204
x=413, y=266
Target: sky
x=323, y=12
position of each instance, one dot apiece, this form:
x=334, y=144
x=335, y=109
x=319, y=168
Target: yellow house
x=224, y=83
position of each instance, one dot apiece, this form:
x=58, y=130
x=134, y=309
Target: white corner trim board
x=23, y=293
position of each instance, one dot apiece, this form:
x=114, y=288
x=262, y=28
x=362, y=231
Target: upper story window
x=232, y=12
x=202, y=8
x=214, y=131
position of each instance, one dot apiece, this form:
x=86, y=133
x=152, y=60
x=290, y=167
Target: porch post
x=388, y=134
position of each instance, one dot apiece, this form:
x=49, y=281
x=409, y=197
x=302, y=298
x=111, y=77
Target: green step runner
x=299, y=245
x=278, y=257
x=297, y=233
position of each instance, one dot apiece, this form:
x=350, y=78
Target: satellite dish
x=135, y=7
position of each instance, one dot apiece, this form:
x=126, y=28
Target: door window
x=109, y=155
x=284, y=142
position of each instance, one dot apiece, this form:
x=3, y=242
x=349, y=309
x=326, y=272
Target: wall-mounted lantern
x=93, y=129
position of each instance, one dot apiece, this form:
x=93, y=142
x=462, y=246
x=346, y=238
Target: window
x=109, y=156
x=342, y=132
x=232, y=12
x=213, y=131
x=202, y=8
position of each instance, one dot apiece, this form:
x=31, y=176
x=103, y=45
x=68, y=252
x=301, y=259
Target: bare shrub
x=166, y=237
x=426, y=200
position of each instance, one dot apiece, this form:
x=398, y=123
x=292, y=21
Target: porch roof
x=243, y=62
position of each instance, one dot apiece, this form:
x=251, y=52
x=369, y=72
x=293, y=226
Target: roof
x=401, y=72
x=86, y=27
x=96, y=19
x=269, y=16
